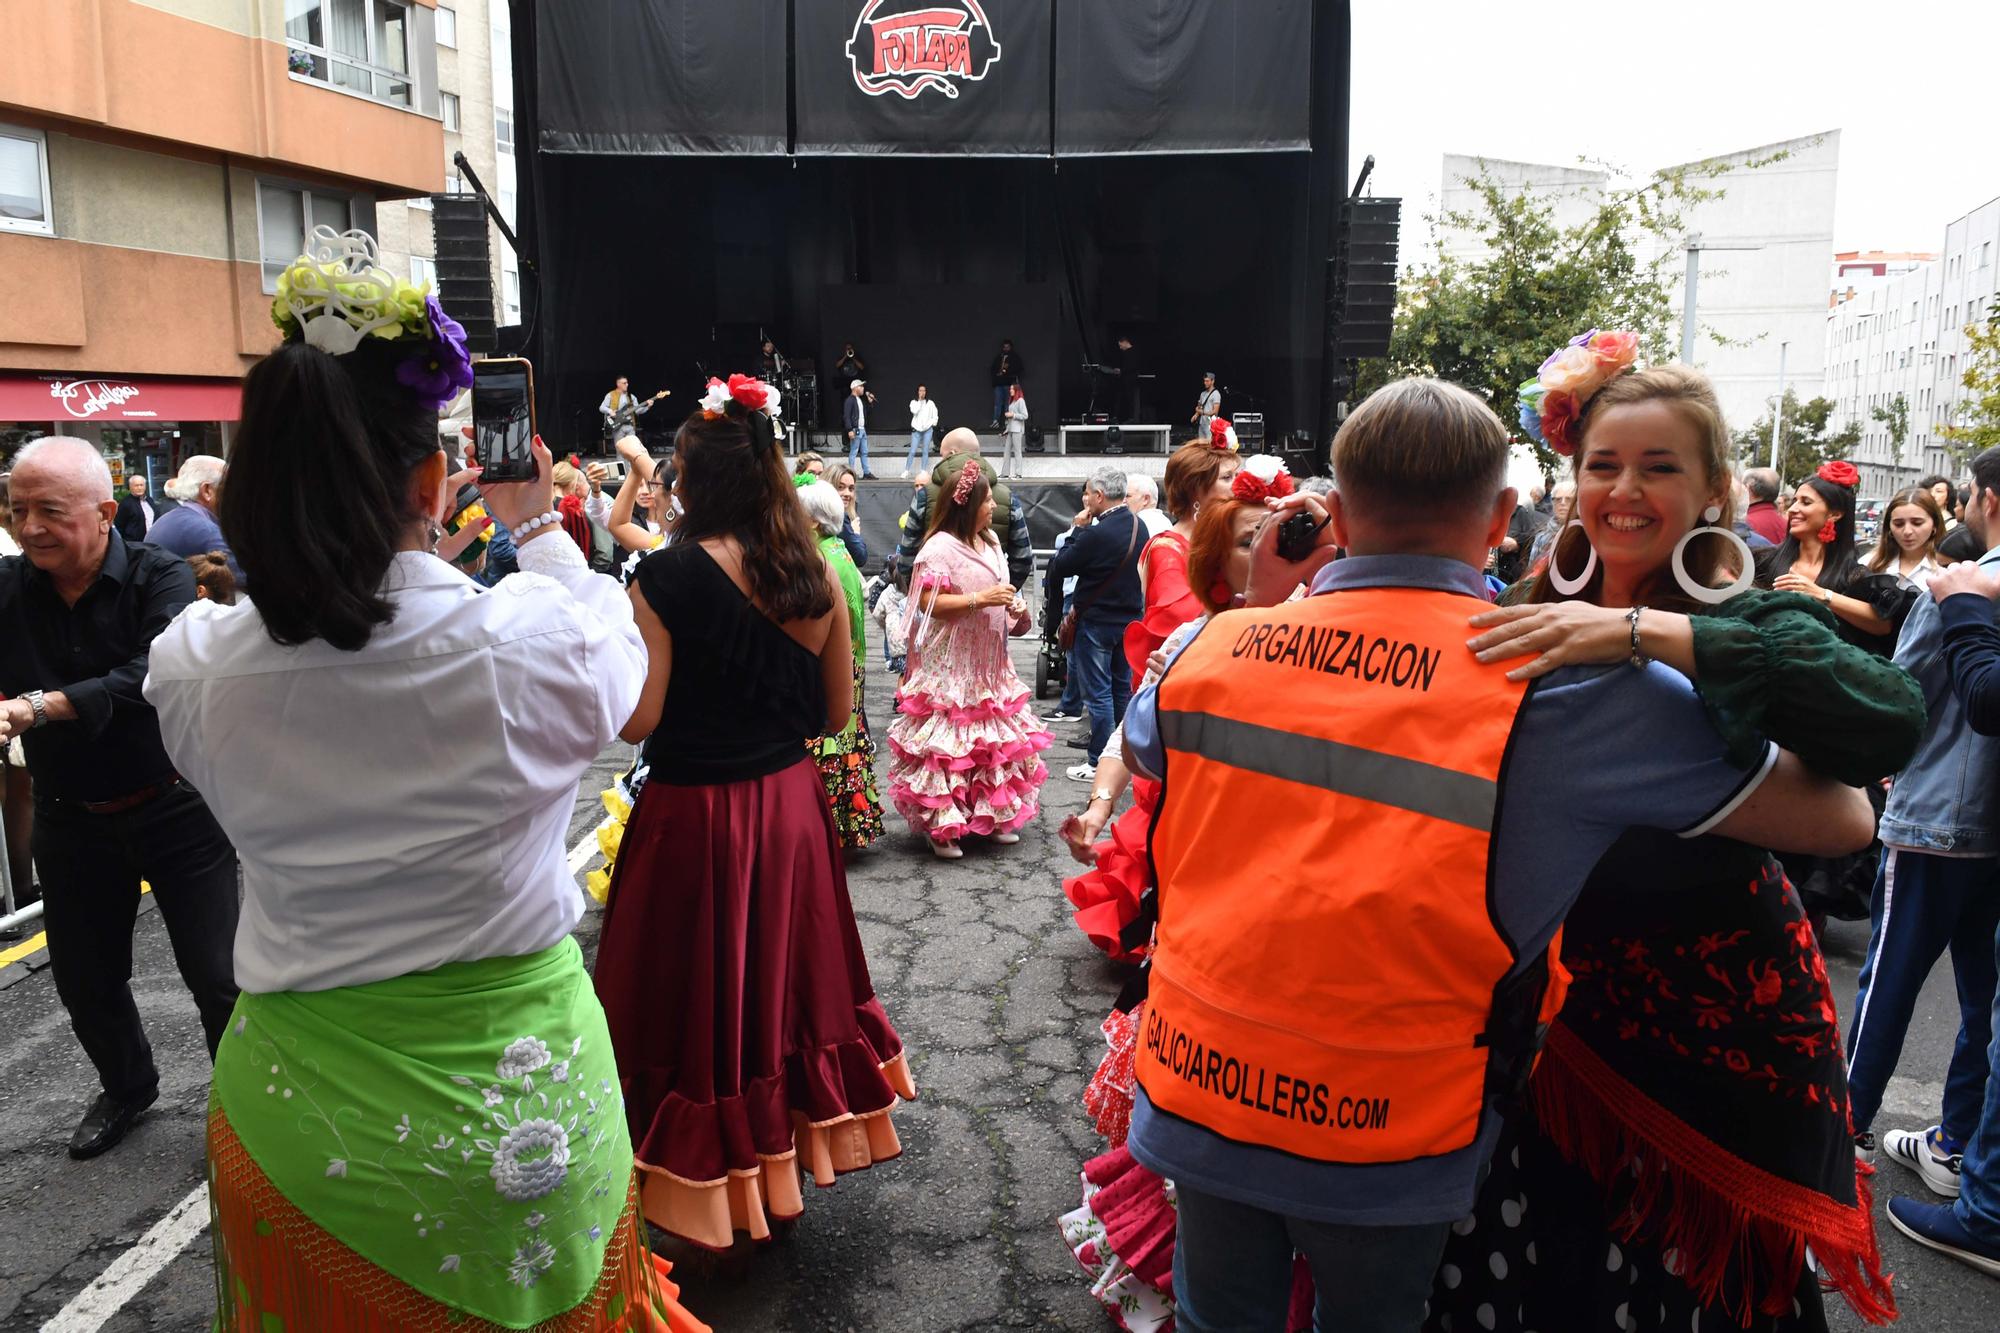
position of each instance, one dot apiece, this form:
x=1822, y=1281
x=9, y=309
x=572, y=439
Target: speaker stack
x=1366, y=276
x=465, y=267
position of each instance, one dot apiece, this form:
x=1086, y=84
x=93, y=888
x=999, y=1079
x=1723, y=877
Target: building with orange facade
x=160, y=163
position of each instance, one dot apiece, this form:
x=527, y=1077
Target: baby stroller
x=1051, y=662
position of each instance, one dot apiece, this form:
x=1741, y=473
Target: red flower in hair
x=1559, y=413
x=1840, y=472
x=1248, y=486
x=750, y=391
x=963, y=490
x=1222, y=435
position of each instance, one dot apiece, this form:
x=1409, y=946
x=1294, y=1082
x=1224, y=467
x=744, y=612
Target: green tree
x=1488, y=322
x=1803, y=442
x=1896, y=416
x=1978, y=423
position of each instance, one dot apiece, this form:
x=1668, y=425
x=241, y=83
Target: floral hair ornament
x=966, y=476
x=1553, y=400
x=753, y=393
x=1264, y=477
x=1840, y=472
x=1222, y=435
x=337, y=293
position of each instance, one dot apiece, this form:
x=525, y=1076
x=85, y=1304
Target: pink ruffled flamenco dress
x=965, y=748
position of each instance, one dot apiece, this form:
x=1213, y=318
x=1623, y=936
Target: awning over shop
x=104, y=398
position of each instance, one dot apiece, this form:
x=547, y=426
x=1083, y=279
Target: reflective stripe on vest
x=1328, y=976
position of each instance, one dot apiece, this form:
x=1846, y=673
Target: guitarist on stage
x=621, y=410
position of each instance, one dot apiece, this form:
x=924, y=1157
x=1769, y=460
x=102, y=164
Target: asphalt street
x=998, y=997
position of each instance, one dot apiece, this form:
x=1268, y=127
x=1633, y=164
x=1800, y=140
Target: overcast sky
x=1910, y=86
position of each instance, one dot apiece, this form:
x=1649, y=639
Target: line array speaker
x=465, y=266
x=1367, y=277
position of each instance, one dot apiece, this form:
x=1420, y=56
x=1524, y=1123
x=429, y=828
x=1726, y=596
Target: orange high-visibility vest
x=1329, y=978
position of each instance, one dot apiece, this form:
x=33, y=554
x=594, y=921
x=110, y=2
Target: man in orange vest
x=1365, y=847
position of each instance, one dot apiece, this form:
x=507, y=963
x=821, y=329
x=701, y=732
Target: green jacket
x=1010, y=519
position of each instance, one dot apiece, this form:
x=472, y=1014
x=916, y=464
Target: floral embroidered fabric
x=459, y=1128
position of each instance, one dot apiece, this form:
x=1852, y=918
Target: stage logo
x=910, y=52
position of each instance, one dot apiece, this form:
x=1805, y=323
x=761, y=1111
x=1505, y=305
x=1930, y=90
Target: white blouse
x=406, y=805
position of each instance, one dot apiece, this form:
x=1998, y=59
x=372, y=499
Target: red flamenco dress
x=1106, y=897
x=749, y=1039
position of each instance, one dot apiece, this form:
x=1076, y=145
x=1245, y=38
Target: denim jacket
x=1947, y=801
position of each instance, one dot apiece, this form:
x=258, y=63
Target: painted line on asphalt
x=132, y=1270
x=129, y=1273
x=40, y=939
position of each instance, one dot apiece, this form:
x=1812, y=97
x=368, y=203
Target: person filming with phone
x=395, y=752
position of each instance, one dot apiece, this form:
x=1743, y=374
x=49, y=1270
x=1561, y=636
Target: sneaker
x=1060, y=716
x=1864, y=1148
x=906, y=474
x=1923, y=1152
x=1082, y=773
x=1006, y=839
x=1936, y=1226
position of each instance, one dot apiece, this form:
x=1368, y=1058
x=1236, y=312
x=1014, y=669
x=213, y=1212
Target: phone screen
x=503, y=427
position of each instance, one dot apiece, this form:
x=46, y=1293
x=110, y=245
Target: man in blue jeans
x=1940, y=888
x=854, y=418
x=1104, y=558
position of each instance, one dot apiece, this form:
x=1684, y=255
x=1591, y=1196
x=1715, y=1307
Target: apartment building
x=476, y=105
x=1903, y=335
x=160, y=162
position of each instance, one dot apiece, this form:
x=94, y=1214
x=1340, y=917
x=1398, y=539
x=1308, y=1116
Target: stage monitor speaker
x=1367, y=277
x=465, y=267
x=1249, y=429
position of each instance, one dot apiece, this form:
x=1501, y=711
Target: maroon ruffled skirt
x=748, y=1036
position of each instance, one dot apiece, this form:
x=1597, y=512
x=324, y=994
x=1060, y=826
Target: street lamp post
x=1778, y=413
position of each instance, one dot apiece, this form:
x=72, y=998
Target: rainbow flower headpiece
x=1553, y=400
x=337, y=293
x=753, y=393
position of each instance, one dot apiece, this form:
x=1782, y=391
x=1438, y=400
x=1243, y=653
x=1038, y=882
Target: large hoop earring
x=1568, y=587
x=1746, y=573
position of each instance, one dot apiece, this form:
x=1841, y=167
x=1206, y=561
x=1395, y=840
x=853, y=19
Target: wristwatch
x=1110, y=798
x=34, y=698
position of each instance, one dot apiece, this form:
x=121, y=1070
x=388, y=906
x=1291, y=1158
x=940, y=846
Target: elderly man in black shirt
x=78, y=614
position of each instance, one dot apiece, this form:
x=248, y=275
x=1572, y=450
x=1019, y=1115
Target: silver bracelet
x=1639, y=659
x=536, y=524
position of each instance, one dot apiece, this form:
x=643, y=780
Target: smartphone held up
x=503, y=418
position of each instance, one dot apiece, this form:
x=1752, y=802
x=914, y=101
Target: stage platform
x=1048, y=466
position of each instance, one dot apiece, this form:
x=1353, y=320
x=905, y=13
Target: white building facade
x=1904, y=336
x=475, y=77
x=1766, y=292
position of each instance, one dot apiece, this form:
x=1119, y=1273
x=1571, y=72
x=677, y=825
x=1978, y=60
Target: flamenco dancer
x=1107, y=896
x=412, y=1124
x=1123, y=1234
x=750, y=1042
x=1688, y=1133
x=965, y=748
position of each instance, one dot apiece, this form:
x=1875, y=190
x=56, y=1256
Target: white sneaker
x=1917, y=1150
x=1058, y=715
x=1082, y=773
x=906, y=474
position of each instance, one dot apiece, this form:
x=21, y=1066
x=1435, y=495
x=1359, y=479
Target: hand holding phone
x=503, y=419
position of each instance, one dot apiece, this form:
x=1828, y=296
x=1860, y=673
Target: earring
x=1746, y=569
x=1827, y=533
x=1571, y=587
x=433, y=533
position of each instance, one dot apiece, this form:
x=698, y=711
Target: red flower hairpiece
x=1262, y=478
x=1840, y=472
x=966, y=476
x=1222, y=435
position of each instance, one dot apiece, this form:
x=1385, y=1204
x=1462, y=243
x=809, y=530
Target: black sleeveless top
x=744, y=696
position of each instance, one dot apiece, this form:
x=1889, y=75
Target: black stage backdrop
x=1183, y=76
x=900, y=76
x=670, y=266
x=662, y=76
x=943, y=337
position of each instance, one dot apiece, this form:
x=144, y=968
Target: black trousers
x=91, y=866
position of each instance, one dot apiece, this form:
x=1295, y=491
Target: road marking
x=132, y=1270
x=40, y=939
